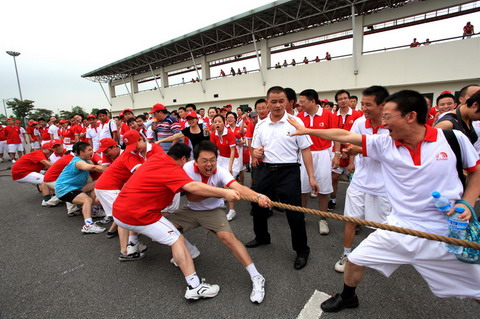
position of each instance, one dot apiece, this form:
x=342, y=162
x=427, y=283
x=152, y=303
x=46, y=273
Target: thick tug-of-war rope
x=358, y=221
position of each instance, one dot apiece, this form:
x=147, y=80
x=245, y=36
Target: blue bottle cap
x=436, y=194
x=459, y=209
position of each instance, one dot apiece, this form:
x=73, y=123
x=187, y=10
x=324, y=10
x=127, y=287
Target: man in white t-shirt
x=93, y=132
x=107, y=128
x=416, y=159
x=208, y=213
x=53, y=130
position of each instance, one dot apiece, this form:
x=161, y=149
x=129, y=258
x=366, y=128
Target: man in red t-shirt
x=3, y=142
x=146, y=218
x=27, y=169
x=14, y=142
x=468, y=30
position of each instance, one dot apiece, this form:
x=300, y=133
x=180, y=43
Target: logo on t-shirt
x=322, y=124
x=442, y=156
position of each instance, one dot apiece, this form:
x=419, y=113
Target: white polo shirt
x=220, y=178
x=105, y=128
x=411, y=176
x=476, y=126
x=93, y=133
x=279, y=147
x=53, y=129
x=368, y=177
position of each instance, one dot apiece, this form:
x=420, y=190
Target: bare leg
x=323, y=202
x=349, y=235
x=353, y=275
x=182, y=257
x=86, y=201
x=236, y=247
x=123, y=239
x=335, y=179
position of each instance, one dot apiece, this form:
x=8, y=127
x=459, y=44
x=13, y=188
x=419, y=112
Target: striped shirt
x=166, y=128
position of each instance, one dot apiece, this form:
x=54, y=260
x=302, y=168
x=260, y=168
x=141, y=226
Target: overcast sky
x=61, y=40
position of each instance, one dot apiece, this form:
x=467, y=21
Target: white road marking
x=73, y=269
x=312, y=308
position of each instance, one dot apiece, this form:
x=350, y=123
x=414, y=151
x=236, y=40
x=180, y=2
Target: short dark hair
x=379, y=92
x=103, y=111
x=474, y=98
x=354, y=97
x=80, y=147
x=182, y=108
x=193, y=106
x=219, y=115
x=291, y=94
x=410, y=101
x=342, y=91
x=233, y=113
x=464, y=90
x=141, y=116
x=178, y=151
x=310, y=94
x=205, y=145
x=444, y=95
x=81, y=115
x=213, y=108
x=276, y=89
x=260, y=101
x=41, y=119
x=130, y=120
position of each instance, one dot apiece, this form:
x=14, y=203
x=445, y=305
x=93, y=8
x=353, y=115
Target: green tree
x=94, y=111
x=20, y=108
x=37, y=113
x=74, y=110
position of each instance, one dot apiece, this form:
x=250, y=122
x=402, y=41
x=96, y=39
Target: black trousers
x=282, y=182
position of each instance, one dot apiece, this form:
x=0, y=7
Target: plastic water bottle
x=442, y=203
x=458, y=229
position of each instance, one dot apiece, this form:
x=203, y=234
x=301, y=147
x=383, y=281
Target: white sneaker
x=54, y=201
x=194, y=252
x=44, y=203
x=340, y=265
x=138, y=247
x=258, y=291
x=92, y=229
x=203, y=290
x=323, y=225
x=231, y=214
x=97, y=212
x=313, y=195
x=72, y=209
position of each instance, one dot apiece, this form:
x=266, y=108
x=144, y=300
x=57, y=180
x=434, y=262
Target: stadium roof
x=269, y=21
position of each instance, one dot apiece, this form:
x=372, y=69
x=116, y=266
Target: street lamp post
x=4, y=107
x=15, y=54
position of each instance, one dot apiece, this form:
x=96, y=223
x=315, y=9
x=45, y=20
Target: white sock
x=252, y=270
x=191, y=248
x=231, y=211
x=133, y=239
x=88, y=221
x=193, y=280
x=347, y=251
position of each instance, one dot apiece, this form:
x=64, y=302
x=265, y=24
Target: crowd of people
x=294, y=146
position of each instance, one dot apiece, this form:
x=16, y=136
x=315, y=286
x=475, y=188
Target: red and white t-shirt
x=55, y=157
x=44, y=133
x=411, y=176
x=32, y=133
x=13, y=134
x=67, y=135
x=119, y=172
x=224, y=142
x=56, y=169
x=3, y=137
x=149, y=191
x=96, y=160
x=220, y=178
x=106, y=160
x=27, y=164
x=368, y=177
x=107, y=129
x=321, y=120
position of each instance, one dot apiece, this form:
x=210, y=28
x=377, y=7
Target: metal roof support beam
x=198, y=73
x=131, y=95
x=357, y=30
x=265, y=57
x=106, y=96
x=156, y=82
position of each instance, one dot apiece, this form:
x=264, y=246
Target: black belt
x=276, y=167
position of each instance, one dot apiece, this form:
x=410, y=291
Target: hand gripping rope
x=363, y=222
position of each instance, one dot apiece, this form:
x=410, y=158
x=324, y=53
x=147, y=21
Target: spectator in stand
x=222, y=73
x=285, y=64
x=239, y=72
x=232, y=71
x=305, y=60
x=414, y=43
x=317, y=59
x=427, y=42
x=244, y=70
x=328, y=57
x=293, y=62
x=468, y=30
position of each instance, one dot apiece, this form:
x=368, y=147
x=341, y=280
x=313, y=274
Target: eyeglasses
x=388, y=117
x=206, y=161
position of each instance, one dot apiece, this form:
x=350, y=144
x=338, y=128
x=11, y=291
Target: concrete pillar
x=266, y=56
x=111, y=89
x=164, y=77
x=205, y=68
x=357, y=29
x=134, y=85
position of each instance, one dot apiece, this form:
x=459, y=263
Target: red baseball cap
x=34, y=123
x=18, y=121
x=223, y=109
x=9, y=119
x=128, y=110
x=31, y=122
x=192, y=114
x=106, y=143
x=121, y=114
x=230, y=105
x=325, y=100
x=55, y=142
x=47, y=146
x=63, y=121
x=130, y=139
x=157, y=107
x=445, y=92
x=89, y=116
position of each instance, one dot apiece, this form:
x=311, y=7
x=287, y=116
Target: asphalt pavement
x=49, y=269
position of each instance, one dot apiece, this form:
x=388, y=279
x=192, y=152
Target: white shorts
x=385, y=251
x=35, y=145
x=12, y=148
x=106, y=198
x=3, y=147
x=366, y=206
x=32, y=178
x=45, y=142
x=322, y=168
x=51, y=185
x=224, y=161
x=161, y=231
x=174, y=205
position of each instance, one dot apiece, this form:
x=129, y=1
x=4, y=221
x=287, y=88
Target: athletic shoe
x=54, y=201
x=112, y=234
x=106, y=220
x=131, y=257
x=323, y=226
x=258, y=291
x=331, y=204
x=13, y=161
x=72, y=209
x=231, y=215
x=340, y=265
x=97, y=212
x=195, y=253
x=92, y=229
x=313, y=195
x=138, y=247
x=44, y=203
x=203, y=290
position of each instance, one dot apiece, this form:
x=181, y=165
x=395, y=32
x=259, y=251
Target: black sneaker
x=336, y=303
x=131, y=257
x=332, y=204
x=112, y=234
